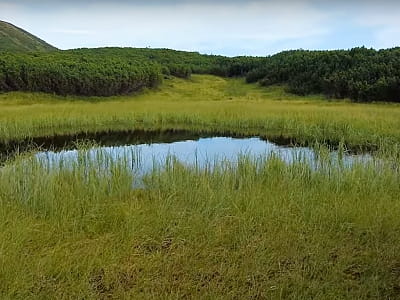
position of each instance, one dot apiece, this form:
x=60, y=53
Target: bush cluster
x=359, y=74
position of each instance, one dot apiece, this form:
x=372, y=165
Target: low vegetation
x=258, y=229
x=204, y=104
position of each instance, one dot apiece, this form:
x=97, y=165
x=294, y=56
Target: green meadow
x=204, y=104
x=258, y=228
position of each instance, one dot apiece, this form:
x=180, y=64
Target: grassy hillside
x=13, y=39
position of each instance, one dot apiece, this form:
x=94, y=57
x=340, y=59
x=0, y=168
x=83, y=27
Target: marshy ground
x=203, y=104
x=258, y=228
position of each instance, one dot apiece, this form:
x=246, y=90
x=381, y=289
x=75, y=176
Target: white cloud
x=73, y=31
x=221, y=27
x=384, y=21
x=186, y=25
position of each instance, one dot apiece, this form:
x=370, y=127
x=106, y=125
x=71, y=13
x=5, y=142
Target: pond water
x=143, y=157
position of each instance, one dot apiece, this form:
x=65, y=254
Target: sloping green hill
x=13, y=38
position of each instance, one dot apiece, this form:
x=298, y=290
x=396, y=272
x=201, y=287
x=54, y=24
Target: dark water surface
x=199, y=151
x=147, y=149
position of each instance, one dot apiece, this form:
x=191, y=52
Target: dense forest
x=182, y=63
x=71, y=74
x=109, y=71
x=360, y=74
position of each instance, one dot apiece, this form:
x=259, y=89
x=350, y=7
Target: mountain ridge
x=16, y=39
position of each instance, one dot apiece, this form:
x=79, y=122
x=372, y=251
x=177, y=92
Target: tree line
x=359, y=74
x=70, y=74
x=109, y=71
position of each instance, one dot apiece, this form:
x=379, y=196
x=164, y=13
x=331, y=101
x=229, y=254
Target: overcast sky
x=237, y=27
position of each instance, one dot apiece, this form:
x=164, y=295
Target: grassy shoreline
x=255, y=229
x=203, y=104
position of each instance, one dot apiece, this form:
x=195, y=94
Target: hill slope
x=13, y=38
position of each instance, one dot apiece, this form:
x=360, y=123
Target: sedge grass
x=256, y=228
x=205, y=103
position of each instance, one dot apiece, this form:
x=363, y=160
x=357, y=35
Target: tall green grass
x=205, y=103
x=256, y=228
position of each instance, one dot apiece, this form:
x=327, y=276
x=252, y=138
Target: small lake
x=201, y=152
